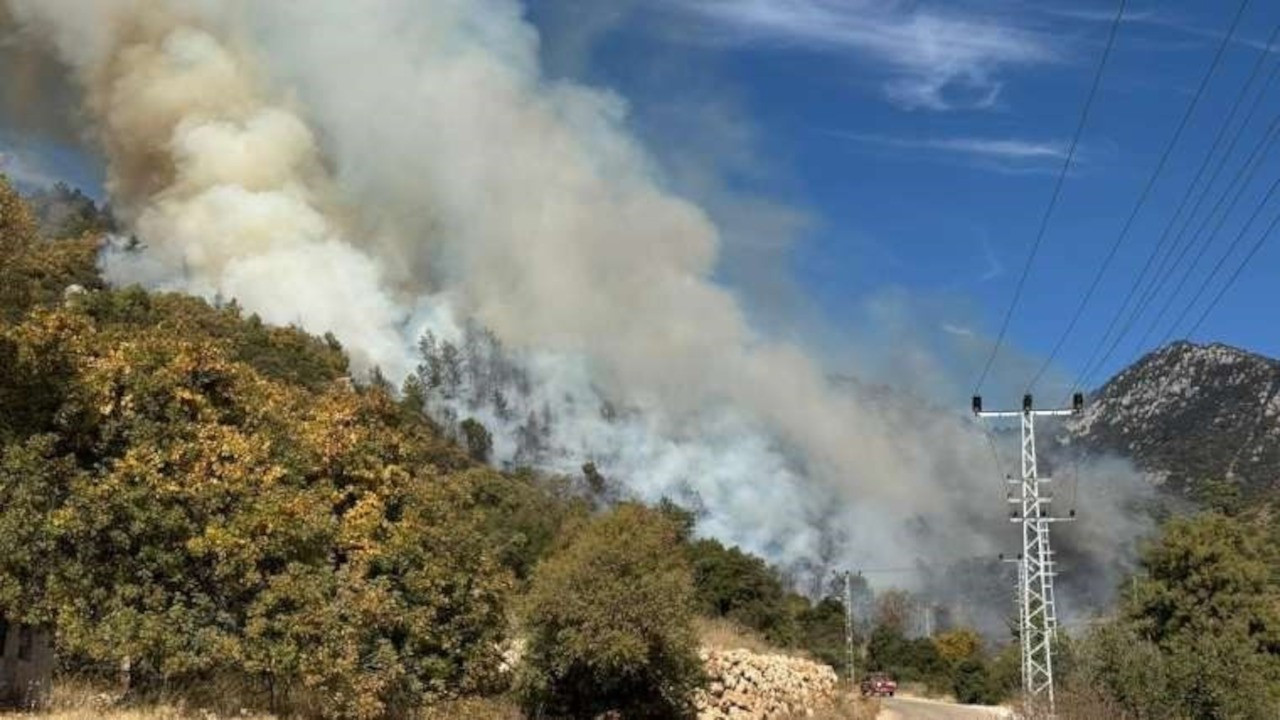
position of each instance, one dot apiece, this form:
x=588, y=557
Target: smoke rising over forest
x=386, y=170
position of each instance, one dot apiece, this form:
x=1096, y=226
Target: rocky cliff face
x=752, y=686
x=1192, y=416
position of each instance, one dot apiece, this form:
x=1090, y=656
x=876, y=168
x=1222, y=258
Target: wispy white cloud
x=1106, y=15
x=1162, y=19
x=935, y=59
x=958, y=330
x=1007, y=149
x=1002, y=149
x=994, y=267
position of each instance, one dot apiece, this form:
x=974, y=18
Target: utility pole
x=848, y=627
x=1037, y=609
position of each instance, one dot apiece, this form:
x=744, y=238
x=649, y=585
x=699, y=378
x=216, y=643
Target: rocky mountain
x=1202, y=419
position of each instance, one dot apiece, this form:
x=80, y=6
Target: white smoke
x=378, y=169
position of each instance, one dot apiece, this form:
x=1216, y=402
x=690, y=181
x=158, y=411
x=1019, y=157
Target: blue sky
x=880, y=167
x=912, y=148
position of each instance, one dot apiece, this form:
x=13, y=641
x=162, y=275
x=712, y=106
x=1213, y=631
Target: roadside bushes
x=1198, y=634
x=609, y=620
x=743, y=588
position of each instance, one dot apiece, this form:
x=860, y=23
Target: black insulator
x=1026, y=403
x=977, y=404
x=1072, y=513
x=1077, y=402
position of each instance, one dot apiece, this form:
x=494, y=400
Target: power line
x=1053, y=200
x=1239, y=269
x=1235, y=275
x=1267, y=142
x=995, y=459
x=1163, y=273
x=1142, y=199
x=1169, y=378
x=1246, y=174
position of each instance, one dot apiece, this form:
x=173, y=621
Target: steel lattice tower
x=848, y=630
x=1037, y=611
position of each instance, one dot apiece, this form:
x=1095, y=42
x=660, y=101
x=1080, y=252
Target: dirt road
x=904, y=708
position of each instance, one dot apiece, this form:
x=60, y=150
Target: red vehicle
x=878, y=684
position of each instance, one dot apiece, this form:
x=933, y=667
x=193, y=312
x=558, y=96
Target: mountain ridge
x=1191, y=416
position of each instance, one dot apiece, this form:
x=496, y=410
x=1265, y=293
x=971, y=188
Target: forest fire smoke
x=380, y=169
x=223, y=187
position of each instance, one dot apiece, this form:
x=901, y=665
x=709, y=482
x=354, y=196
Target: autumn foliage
x=196, y=495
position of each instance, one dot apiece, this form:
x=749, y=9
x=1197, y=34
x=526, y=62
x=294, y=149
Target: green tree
x=1198, y=636
x=913, y=660
x=523, y=513
x=610, y=622
x=1206, y=574
x=742, y=587
x=971, y=682
x=822, y=632
x=477, y=439
x=1005, y=670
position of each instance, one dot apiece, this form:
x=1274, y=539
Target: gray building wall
x=26, y=665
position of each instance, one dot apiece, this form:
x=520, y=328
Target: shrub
x=971, y=683
x=822, y=633
x=610, y=622
x=742, y=587
x=915, y=660
x=1199, y=634
x=478, y=441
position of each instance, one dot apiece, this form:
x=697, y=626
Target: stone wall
x=751, y=686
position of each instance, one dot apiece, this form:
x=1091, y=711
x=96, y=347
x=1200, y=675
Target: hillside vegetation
x=192, y=501
x=1197, y=633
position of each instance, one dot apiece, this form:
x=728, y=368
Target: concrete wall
x=26, y=665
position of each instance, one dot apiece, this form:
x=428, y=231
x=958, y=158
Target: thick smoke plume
x=377, y=170
x=224, y=186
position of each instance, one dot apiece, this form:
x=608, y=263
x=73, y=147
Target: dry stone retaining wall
x=750, y=686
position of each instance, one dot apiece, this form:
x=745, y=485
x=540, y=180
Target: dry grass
x=78, y=700
x=478, y=709
x=75, y=700
x=1086, y=705
x=159, y=712
x=722, y=634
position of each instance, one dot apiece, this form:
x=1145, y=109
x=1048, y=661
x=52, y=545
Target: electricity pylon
x=848, y=628
x=1037, y=611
